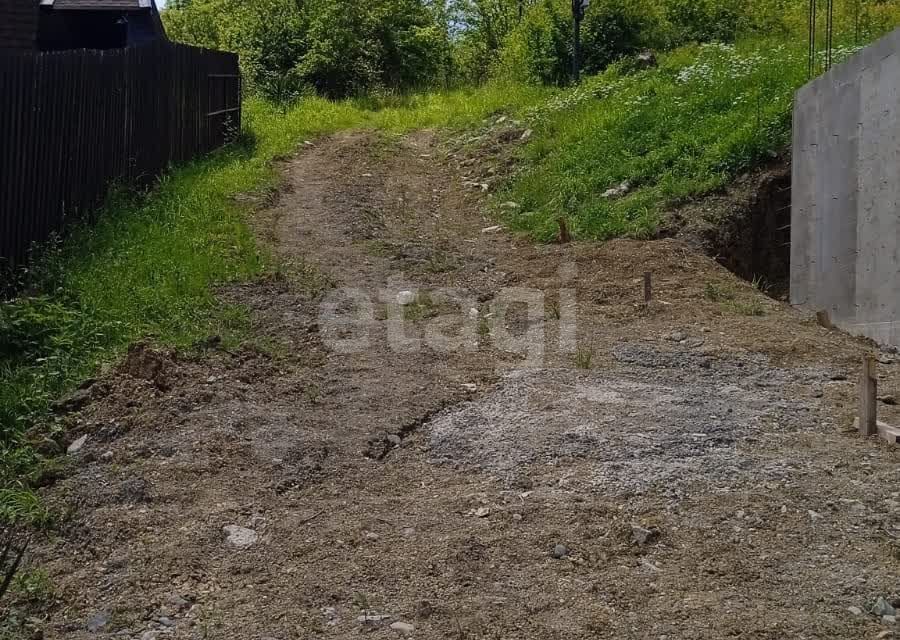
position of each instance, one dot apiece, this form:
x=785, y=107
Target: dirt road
x=444, y=428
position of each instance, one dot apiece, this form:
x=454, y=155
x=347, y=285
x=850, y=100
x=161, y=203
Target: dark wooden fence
x=72, y=123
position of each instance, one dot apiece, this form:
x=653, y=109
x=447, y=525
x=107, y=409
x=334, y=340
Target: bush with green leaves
x=335, y=47
x=540, y=48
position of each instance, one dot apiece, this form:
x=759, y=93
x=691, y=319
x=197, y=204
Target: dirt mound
x=143, y=362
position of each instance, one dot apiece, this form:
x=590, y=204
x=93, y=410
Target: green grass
x=676, y=132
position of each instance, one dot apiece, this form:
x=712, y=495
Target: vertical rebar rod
x=830, y=36
x=812, y=38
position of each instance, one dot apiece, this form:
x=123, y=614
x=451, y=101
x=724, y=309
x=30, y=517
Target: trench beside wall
x=845, y=221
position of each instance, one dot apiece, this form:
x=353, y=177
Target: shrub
x=540, y=49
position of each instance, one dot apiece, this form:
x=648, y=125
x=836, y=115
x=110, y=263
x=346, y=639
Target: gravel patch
x=661, y=421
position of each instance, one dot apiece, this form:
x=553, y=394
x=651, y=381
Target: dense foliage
x=346, y=47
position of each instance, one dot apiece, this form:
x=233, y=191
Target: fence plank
x=74, y=122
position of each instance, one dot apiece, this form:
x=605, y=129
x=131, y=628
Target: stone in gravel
x=560, y=551
x=166, y=622
x=240, y=537
x=482, y=512
x=471, y=388
x=883, y=608
x=406, y=298
x=424, y=609
x=888, y=400
x=643, y=536
x=676, y=336
x=403, y=628
x=394, y=439
x=889, y=619
x=526, y=135
x=493, y=229
x=372, y=618
x=150, y=635
x=510, y=205
x=885, y=634
x=855, y=611
x=77, y=446
x=178, y=602
x=98, y=621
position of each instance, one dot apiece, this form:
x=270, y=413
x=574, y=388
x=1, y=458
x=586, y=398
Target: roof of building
x=98, y=5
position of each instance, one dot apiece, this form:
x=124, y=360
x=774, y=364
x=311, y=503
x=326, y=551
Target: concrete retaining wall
x=845, y=221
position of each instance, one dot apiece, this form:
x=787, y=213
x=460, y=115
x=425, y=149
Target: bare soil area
x=678, y=470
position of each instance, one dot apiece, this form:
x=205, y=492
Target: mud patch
x=666, y=420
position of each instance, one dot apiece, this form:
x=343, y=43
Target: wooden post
x=868, y=398
x=564, y=235
x=648, y=287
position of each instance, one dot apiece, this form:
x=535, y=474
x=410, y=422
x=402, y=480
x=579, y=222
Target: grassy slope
x=147, y=267
x=673, y=133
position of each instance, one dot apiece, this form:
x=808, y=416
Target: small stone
x=409, y=531
x=885, y=359
x=889, y=619
x=885, y=634
x=676, y=336
x=73, y=402
x=471, y=388
x=77, y=446
x=240, y=537
x=560, y=551
x=178, y=603
x=526, y=136
x=98, y=621
x=482, y=512
x=107, y=456
x=502, y=119
x=166, y=622
x=883, y=608
x=855, y=611
x=424, y=609
x=406, y=298
x=510, y=206
x=888, y=400
x=150, y=635
x=617, y=192
x=395, y=440
x=643, y=536
x=517, y=517
x=493, y=229
x=403, y=628
x=372, y=618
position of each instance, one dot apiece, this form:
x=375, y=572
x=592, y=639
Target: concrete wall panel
x=845, y=244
